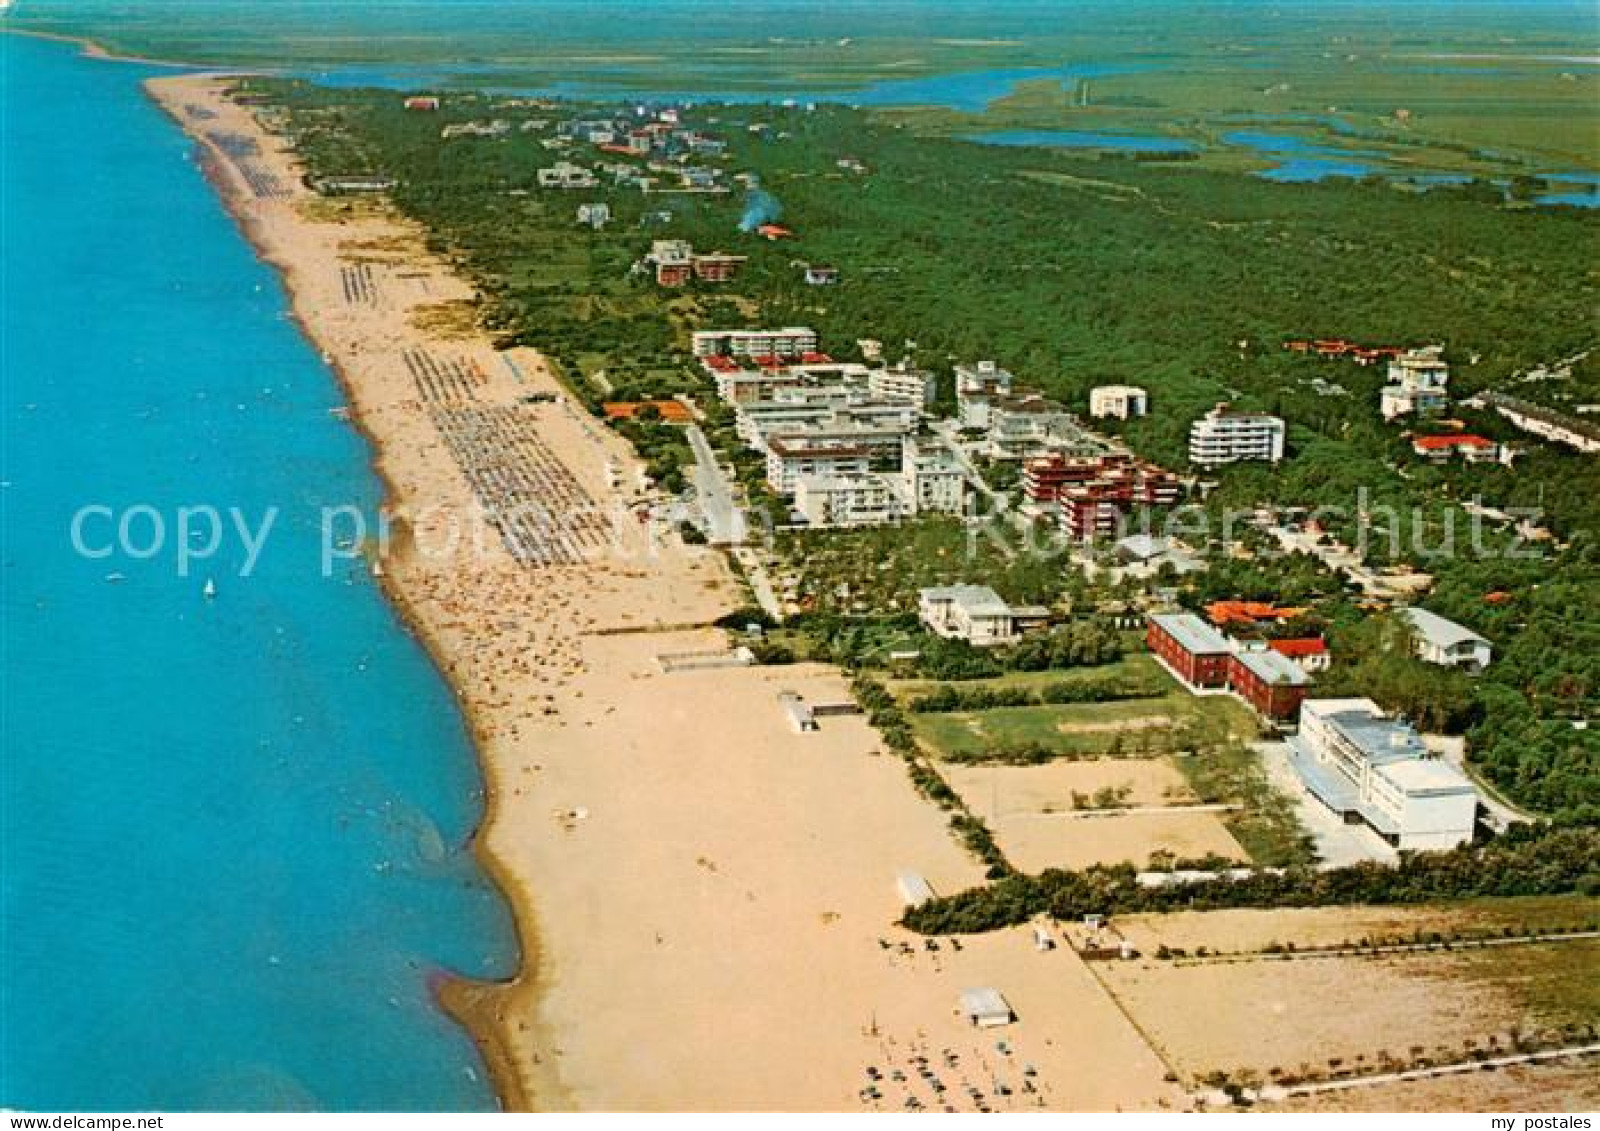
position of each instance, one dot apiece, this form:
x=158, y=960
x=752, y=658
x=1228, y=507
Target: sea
x=235, y=828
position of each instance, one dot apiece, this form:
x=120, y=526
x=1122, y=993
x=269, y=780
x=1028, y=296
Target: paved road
x=725, y=520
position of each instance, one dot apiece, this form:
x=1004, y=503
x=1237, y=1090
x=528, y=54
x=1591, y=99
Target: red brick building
x=1271, y=683
x=1195, y=652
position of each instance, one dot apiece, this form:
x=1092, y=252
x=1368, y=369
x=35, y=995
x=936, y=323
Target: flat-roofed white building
x=1222, y=437
x=976, y=614
x=1121, y=401
x=902, y=382
x=566, y=175
x=1369, y=768
x=790, y=458
x=791, y=341
x=739, y=386
x=1027, y=426
x=797, y=711
x=1446, y=643
x=872, y=499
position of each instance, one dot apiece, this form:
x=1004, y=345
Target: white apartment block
x=976, y=614
x=932, y=478
x=1222, y=437
x=977, y=387
x=789, y=342
x=902, y=383
x=1373, y=769
x=1024, y=427
x=791, y=458
x=835, y=415
x=1121, y=401
x=849, y=500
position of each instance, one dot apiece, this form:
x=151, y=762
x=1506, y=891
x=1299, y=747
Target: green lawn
x=1162, y=724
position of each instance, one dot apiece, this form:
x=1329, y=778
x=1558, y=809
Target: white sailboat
x=210, y=589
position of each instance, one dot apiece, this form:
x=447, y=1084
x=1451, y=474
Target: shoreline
x=94, y=49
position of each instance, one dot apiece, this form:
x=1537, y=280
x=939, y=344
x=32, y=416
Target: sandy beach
x=705, y=896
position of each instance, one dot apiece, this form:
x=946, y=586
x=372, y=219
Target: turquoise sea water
x=234, y=831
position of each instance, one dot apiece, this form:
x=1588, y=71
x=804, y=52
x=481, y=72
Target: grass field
x=1138, y=670
x=1076, y=814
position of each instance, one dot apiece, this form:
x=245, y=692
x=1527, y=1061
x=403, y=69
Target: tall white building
x=933, y=479
x=1222, y=437
x=977, y=387
x=791, y=458
x=1121, y=401
x=1373, y=769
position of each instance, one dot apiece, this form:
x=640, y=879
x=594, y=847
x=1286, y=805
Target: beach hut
x=914, y=890
x=985, y=1008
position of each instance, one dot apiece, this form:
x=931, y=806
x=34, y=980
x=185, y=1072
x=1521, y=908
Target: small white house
x=1446, y=643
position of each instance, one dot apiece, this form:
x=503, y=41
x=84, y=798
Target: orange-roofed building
x=1223, y=613
x=1310, y=652
x=775, y=232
